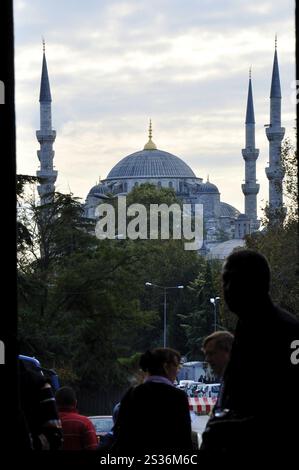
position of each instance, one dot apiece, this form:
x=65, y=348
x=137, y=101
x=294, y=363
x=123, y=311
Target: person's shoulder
x=75, y=416
x=168, y=389
x=287, y=318
x=155, y=385
x=83, y=418
x=85, y=422
x=149, y=388
x=285, y=326
x=180, y=393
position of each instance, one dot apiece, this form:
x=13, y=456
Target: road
x=198, y=424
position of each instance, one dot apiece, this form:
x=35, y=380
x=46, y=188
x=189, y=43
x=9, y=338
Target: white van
x=185, y=383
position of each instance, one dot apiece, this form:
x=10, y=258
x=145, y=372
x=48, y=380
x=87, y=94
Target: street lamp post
x=213, y=301
x=165, y=288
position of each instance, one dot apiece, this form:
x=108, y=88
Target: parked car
x=102, y=424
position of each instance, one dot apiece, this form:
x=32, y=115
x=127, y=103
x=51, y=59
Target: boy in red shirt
x=78, y=431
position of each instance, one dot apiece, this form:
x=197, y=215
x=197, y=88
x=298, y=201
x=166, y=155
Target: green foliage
x=83, y=302
x=24, y=239
x=280, y=246
x=21, y=182
x=199, y=322
x=290, y=184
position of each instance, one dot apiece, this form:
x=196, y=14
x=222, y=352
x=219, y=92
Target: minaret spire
x=275, y=83
x=150, y=145
x=45, y=92
x=150, y=130
x=250, y=110
x=275, y=134
x=45, y=136
x=250, y=154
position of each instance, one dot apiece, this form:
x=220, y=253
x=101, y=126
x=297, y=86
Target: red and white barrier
x=201, y=405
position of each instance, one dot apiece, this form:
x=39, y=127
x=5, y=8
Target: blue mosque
x=224, y=226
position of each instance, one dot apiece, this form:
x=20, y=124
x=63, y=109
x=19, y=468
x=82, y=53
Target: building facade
x=165, y=170
x=224, y=225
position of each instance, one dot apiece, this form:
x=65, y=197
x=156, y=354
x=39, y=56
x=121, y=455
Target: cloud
x=113, y=64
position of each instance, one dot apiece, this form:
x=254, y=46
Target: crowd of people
x=154, y=417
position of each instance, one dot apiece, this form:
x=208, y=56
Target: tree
x=82, y=301
x=166, y=263
x=199, y=322
x=24, y=239
x=290, y=184
x=70, y=300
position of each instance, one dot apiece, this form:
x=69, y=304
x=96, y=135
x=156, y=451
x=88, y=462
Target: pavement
x=198, y=424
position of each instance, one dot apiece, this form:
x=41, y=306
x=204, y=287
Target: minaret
x=275, y=133
x=46, y=136
x=250, y=155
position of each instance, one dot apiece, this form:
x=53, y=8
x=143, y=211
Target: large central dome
x=151, y=163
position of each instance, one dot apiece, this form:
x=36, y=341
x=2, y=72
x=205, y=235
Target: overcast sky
x=114, y=64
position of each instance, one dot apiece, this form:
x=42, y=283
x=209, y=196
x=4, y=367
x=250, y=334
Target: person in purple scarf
x=154, y=416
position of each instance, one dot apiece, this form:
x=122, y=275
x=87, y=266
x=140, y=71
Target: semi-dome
x=151, y=163
x=97, y=191
x=226, y=210
x=208, y=188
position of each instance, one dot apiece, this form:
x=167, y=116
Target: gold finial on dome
x=150, y=145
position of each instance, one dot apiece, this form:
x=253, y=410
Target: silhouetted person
x=217, y=348
x=107, y=440
x=261, y=354
x=40, y=426
x=154, y=416
x=78, y=431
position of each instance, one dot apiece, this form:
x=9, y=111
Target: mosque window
x=136, y=183
x=170, y=184
x=159, y=184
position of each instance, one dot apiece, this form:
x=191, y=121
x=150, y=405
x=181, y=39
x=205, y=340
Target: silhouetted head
x=161, y=361
x=65, y=397
x=216, y=348
x=245, y=280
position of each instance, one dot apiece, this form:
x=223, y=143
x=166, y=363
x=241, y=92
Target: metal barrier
x=201, y=405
